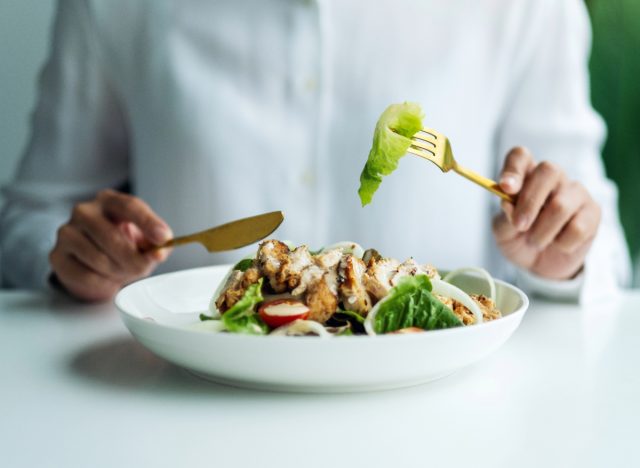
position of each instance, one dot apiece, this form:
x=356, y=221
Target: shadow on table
x=124, y=364
x=121, y=363
x=50, y=303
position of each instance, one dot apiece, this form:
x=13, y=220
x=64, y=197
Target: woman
x=211, y=111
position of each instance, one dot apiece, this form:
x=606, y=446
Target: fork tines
x=425, y=140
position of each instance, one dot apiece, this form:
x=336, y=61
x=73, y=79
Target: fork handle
x=491, y=185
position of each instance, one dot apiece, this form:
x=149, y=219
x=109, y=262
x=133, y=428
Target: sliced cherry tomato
x=282, y=311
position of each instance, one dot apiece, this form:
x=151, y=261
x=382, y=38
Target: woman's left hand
x=550, y=228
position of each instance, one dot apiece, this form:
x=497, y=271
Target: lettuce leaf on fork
x=391, y=140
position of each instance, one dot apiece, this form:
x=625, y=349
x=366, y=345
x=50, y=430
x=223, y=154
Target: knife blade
x=232, y=235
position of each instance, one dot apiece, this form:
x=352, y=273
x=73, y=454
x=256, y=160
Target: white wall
x=24, y=39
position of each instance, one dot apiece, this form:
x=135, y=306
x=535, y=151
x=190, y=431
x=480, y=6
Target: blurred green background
x=615, y=90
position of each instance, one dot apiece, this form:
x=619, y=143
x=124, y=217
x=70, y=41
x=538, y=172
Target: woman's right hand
x=102, y=246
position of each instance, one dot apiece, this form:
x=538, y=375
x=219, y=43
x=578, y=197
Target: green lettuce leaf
x=411, y=304
x=242, y=318
x=348, y=317
x=345, y=332
x=244, y=264
x=351, y=315
x=391, y=140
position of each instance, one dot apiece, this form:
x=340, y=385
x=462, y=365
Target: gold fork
x=435, y=147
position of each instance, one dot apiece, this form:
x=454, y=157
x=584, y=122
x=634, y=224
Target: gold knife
x=231, y=235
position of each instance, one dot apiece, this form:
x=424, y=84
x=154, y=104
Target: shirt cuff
x=563, y=290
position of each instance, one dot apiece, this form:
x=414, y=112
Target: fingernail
x=508, y=182
x=160, y=235
x=522, y=222
x=160, y=255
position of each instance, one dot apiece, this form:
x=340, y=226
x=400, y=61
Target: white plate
x=160, y=310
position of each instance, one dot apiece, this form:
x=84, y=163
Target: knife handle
x=174, y=242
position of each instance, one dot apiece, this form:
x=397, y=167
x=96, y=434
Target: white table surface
x=78, y=391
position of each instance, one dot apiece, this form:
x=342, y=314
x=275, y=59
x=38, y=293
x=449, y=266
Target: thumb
x=517, y=165
x=136, y=237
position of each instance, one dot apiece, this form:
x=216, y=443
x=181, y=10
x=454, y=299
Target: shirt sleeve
x=549, y=112
x=77, y=146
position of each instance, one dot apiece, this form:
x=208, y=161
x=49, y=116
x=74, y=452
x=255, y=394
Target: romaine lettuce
x=411, y=304
x=353, y=320
x=244, y=264
x=391, y=140
x=242, y=318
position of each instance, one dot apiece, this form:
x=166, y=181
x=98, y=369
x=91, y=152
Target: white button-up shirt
x=213, y=111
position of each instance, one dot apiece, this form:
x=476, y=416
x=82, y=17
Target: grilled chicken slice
x=371, y=254
x=291, y=272
x=411, y=268
x=272, y=257
x=487, y=306
x=429, y=270
x=351, y=288
x=377, y=278
x=324, y=263
x=329, y=259
x=321, y=300
x=236, y=286
x=231, y=293
x=308, y=276
x=282, y=266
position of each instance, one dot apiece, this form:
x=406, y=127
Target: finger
x=79, y=280
x=109, y=239
x=557, y=212
x=537, y=187
x=517, y=165
x=122, y=207
x=503, y=230
x=74, y=242
x=133, y=233
x=572, y=263
x=507, y=208
x=581, y=229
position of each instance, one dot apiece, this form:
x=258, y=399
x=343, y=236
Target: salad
x=341, y=290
